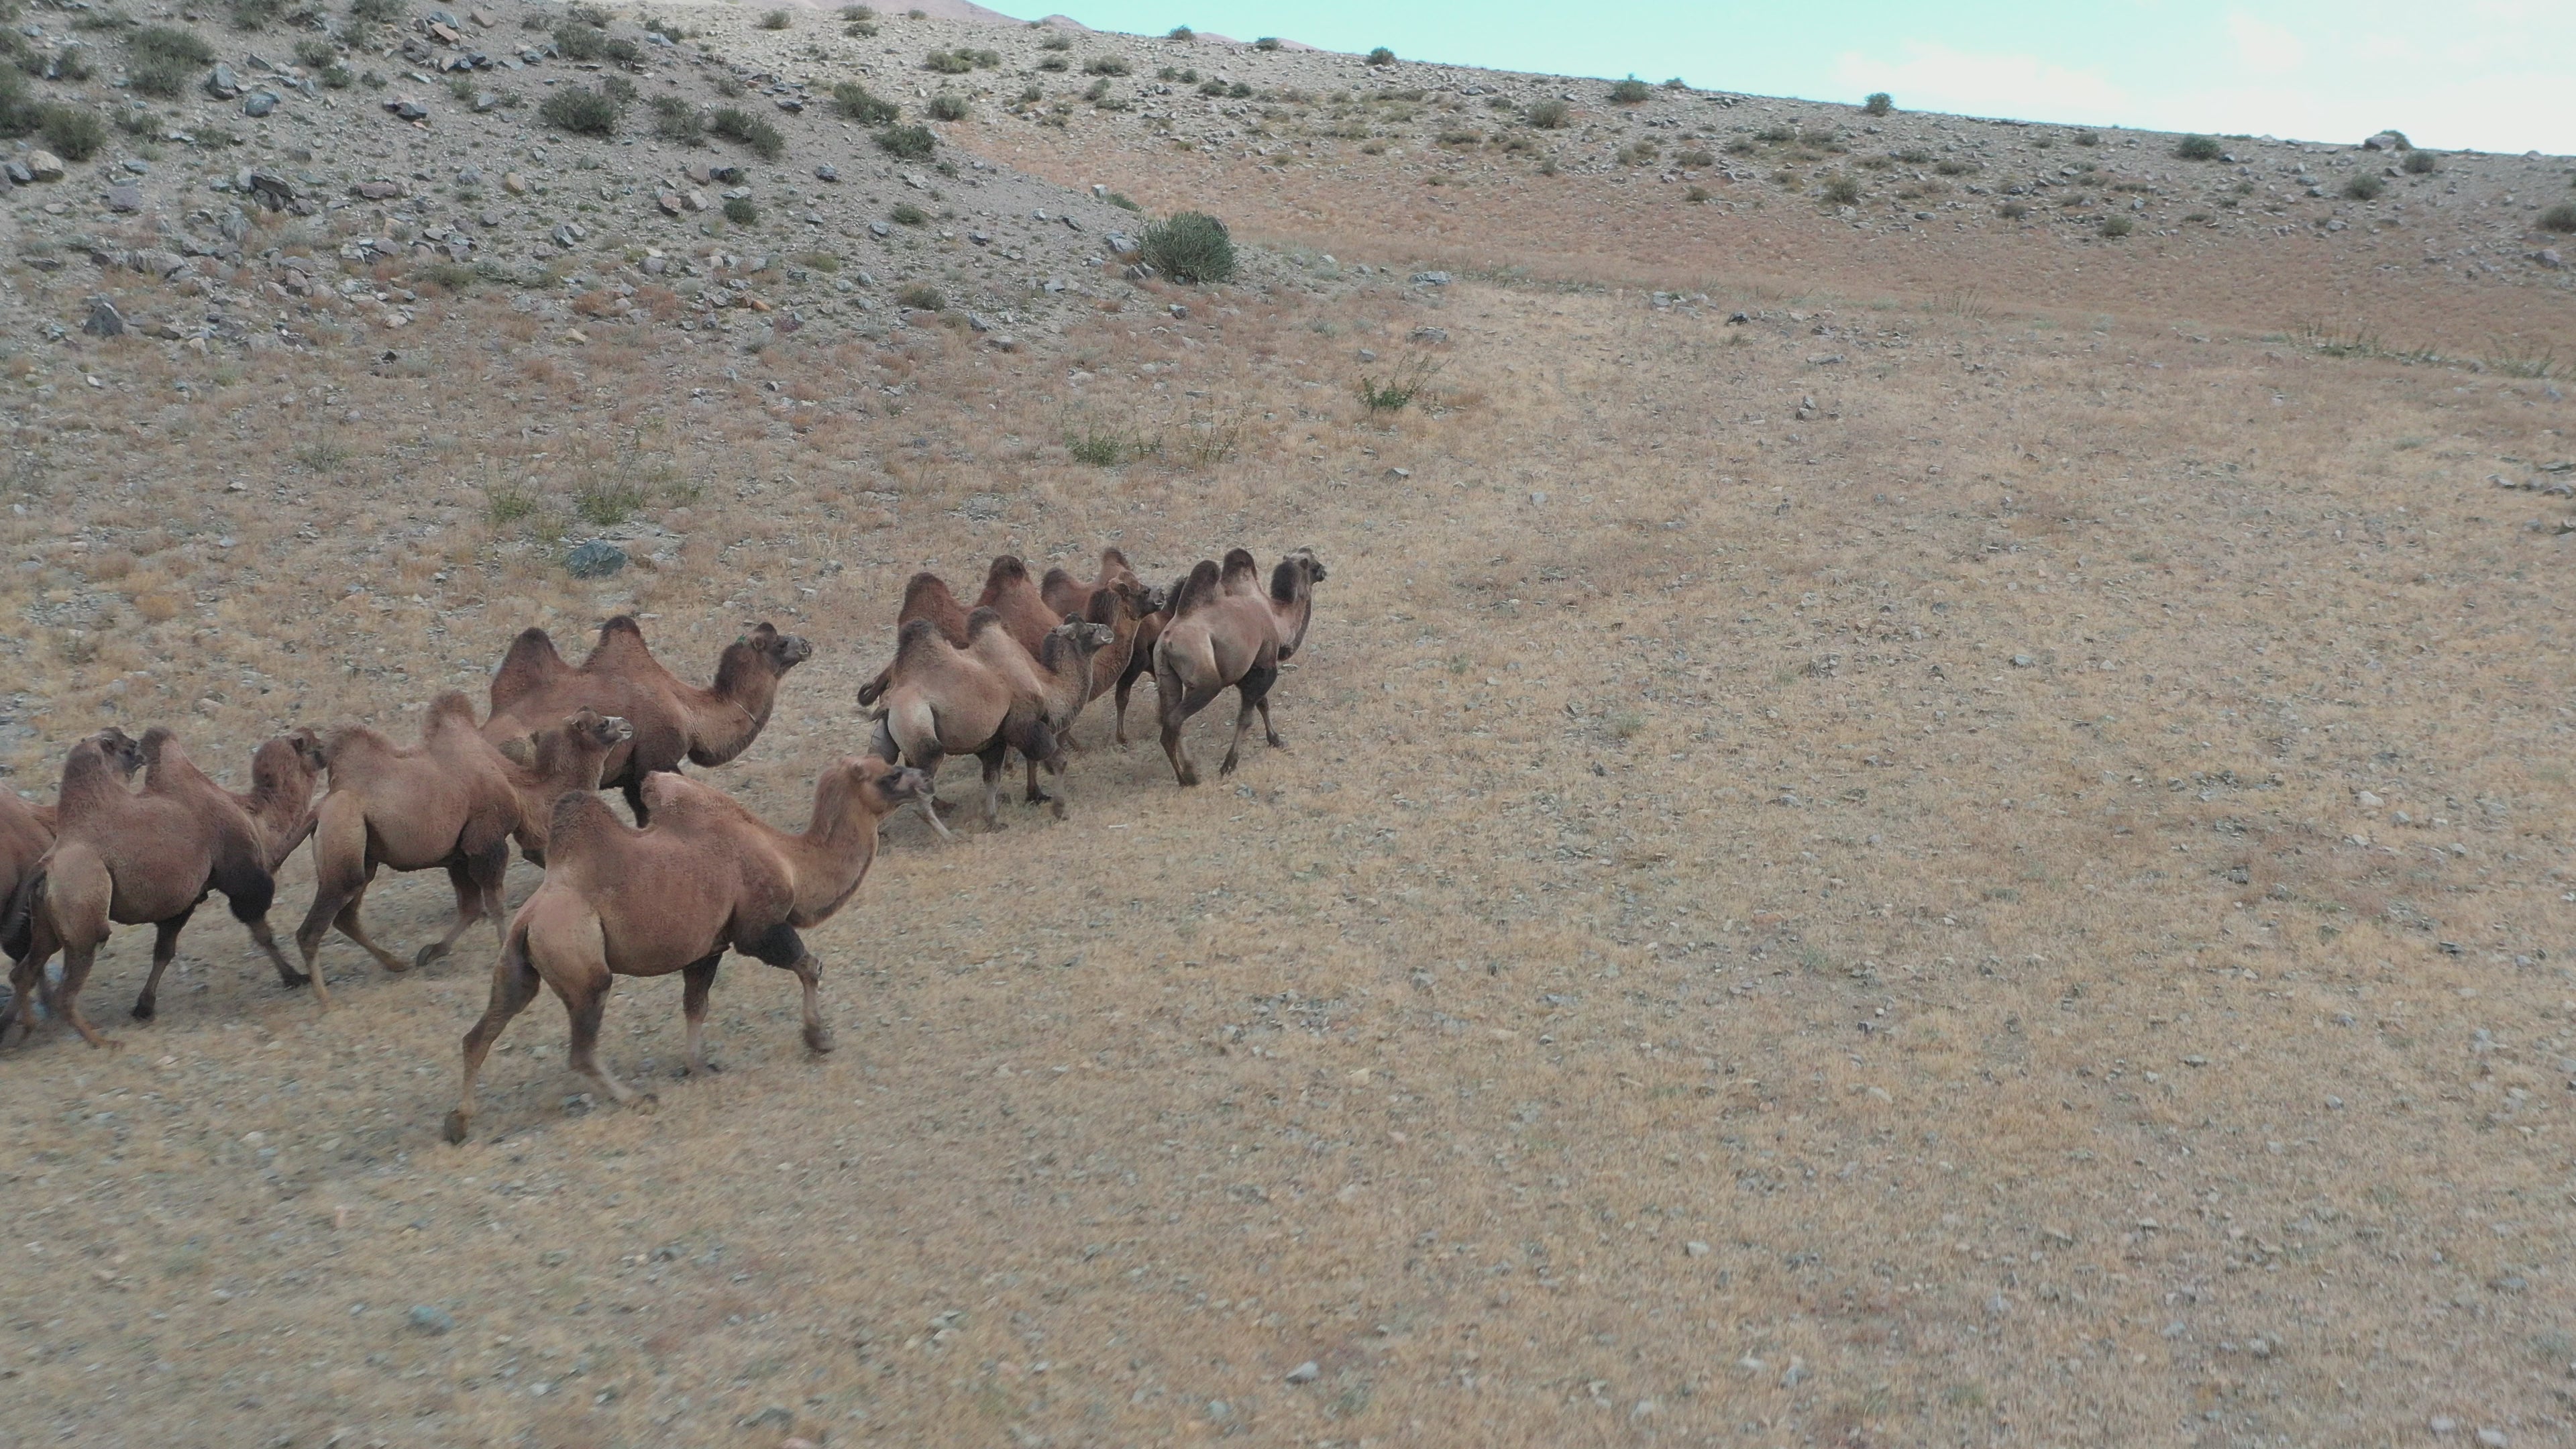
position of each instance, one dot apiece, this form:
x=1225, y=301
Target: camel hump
x=1057, y=583
x=923, y=590
x=1007, y=570
x=1113, y=561
x=981, y=620
x=1201, y=586
x=452, y=709
x=1104, y=608
x=580, y=821
x=917, y=640
x=621, y=645
x=530, y=665
x=1241, y=572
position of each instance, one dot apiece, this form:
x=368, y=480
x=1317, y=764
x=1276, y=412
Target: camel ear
x=516, y=750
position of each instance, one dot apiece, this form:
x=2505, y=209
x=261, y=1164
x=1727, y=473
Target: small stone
x=514, y=183
x=2368, y=800
x=407, y=109
x=2443, y=1424
x=1430, y=336
x=670, y=203
x=431, y=1319
x=2023, y=661
x=1179, y=309
x=1305, y=1373
x=104, y=320
x=1431, y=279
x=2493, y=1438
x=596, y=559
x=259, y=103
x=42, y=165
x=222, y=84
x=2549, y=257
x=124, y=198
x=1696, y=1249
x=826, y=173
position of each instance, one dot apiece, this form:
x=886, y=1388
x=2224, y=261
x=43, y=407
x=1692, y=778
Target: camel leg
x=1040, y=745
x=881, y=742
x=1252, y=690
x=1118, y=735
x=992, y=760
x=26, y=975
x=697, y=981
x=586, y=1001
x=348, y=924
x=165, y=944
x=65, y=999
x=473, y=889
x=809, y=974
x=635, y=796
x=928, y=765
x=1178, y=705
x=514, y=985
x=1269, y=731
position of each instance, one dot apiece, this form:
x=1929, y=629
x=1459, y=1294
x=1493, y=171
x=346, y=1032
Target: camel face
x=782, y=652
x=1085, y=635
x=1314, y=567
x=123, y=753
x=605, y=731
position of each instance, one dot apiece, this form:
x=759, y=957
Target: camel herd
x=138, y=835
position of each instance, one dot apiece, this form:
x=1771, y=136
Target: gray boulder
x=595, y=559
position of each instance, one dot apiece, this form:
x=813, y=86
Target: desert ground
x=1894, y=829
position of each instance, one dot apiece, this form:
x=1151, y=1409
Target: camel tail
x=874, y=689
x=18, y=917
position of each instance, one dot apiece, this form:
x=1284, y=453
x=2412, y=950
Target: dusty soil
x=1922, y=866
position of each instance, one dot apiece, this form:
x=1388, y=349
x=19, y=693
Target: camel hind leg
x=697, y=982
x=478, y=892
x=585, y=1002
x=1177, y=704
x=514, y=985
x=65, y=999
x=1254, y=692
x=27, y=974
x=165, y=944
x=780, y=946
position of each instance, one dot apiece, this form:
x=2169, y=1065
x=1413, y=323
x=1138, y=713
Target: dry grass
x=1856, y=928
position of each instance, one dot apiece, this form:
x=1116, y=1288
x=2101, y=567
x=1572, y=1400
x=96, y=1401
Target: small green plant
x=1841, y=190
x=1056, y=42
x=777, y=20
x=1695, y=195
x=1096, y=91
x=135, y=122
x=729, y=86
x=947, y=106
x=678, y=119
x=855, y=13
x=605, y=504
x=508, y=503
x=1267, y=42
x=2012, y=211
x=1410, y=380
x=1105, y=65
x=2088, y=138
x=1550, y=115
x=738, y=125
x=907, y=214
x=2116, y=226
x=163, y=60
x=2419, y=163
x=1631, y=92
x=922, y=297
x=854, y=102
x=315, y=54
x=1100, y=447
x=72, y=132
x=740, y=210
x=949, y=62
x=907, y=143
x=256, y=14
x=1182, y=32
x=2197, y=148
x=1694, y=158
x=448, y=276
x=461, y=88
x=2559, y=218
x=2364, y=188
x=1381, y=56
x=1190, y=246
x=1054, y=63
x=582, y=112
x=1123, y=201
x=1878, y=104
x=376, y=12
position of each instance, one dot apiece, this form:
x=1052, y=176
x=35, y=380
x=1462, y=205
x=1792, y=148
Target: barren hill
x=1905, y=819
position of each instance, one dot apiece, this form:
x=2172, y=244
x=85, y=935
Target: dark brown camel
x=985, y=700
x=453, y=800
x=1009, y=592
x=1116, y=598
x=707, y=876
x=130, y=857
x=673, y=720
x=1225, y=632
x=1140, y=654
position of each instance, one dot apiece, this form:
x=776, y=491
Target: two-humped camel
x=151, y=856
x=985, y=699
x=707, y=876
x=1131, y=609
x=673, y=720
x=1225, y=632
x=454, y=800
x=1009, y=592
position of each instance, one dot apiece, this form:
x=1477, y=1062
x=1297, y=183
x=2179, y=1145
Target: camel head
x=863, y=790
x=122, y=752
x=1083, y=635
x=288, y=764
x=1136, y=596
x=1297, y=574
x=600, y=731
x=762, y=647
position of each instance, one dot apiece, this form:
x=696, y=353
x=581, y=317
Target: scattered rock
x=2549, y=257
x=1305, y=1373
x=42, y=165
x=826, y=173
x=2386, y=141
x=1430, y=336
x=431, y=1319
x=222, y=84
x=125, y=198
x=514, y=183
x=2023, y=661
x=259, y=103
x=104, y=319
x=1431, y=279
x=596, y=559
x=407, y=109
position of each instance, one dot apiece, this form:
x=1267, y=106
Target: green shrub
x=1381, y=56
x=947, y=106
x=852, y=100
x=376, y=12
x=2197, y=148
x=922, y=297
x=2088, y=138
x=1411, y=379
x=1631, y=92
x=1550, y=115
x=907, y=214
x=740, y=211
x=72, y=132
x=1695, y=159
x=256, y=14
x=2559, y=218
x=1056, y=42
x=777, y=20
x=949, y=62
x=735, y=124
x=1267, y=42
x=728, y=85
x=1104, y=65
x=1842, y=190
x=1212, y=88
x=2364, y=188
x=1123, y=201
x=509, y=503
x=135, y=122
x=338, y=77
x=1054, y=63
x=1097, y=90
x=582, y=112
x=162, y=60
x=2419, y=163
x=857, y=13
x=2116, y=226
x=590, y=43
x=1182, y=32
x=1878, y=104
x=315, y=54
x=677, y=119
x=859, y=29
x=907, y=143
x=1191, y=246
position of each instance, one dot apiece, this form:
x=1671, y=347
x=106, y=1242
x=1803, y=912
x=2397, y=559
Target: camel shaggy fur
x=1009, y=592
x=453, y=800
x=707, y=876
x=673, y=720
x=1118, y=599
x=985, y=700
x=152, y=856
x=1226, y=632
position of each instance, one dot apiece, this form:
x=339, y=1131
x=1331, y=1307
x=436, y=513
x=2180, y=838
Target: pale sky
x=2490, y=75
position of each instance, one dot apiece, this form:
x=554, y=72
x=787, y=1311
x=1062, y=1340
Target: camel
x=26, y=833
x=985, y=700
x=1008, y=591
x=1226, y=633
x=453, y=800
x=1118, y=599
x=129, y=857
x=1140, y=655
x=705, y=877
x=673, y=721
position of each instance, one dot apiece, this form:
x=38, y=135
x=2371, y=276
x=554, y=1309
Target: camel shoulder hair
x=529, y=668
x=1201, y=588
x=621, y=650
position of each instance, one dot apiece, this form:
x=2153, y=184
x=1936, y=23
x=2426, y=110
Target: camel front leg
x=698, y=980
x=165, y=944
x=514, y=985
x=1252, y=690
x=26, y=975
x=586, y=1001
x=818, y=1032
x=65, y=999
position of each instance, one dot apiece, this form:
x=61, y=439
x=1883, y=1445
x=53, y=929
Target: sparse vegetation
x=1267, y=42
x=1410, y=380
x=1631, y=92
x=855, y=103
x=580, y=42
x=922, y=297
x=1841, y=190
x=777, y=20
x=2364, y=188
x=1182, y=32
x=1190, y=246
x=949, y=62
x=1381, y=56
x=2419, y=163
x=677, y=119
x=582, y=111
x=1104, y=65
x=947, y=106
x=606, y=503
x=2116, y=226
x=163, y=60
x=377, y=12
x=907, y=143
x=1550, y=115
x=1878, y=104
x=73, y=132
x=256, y=14
x=2559, y=218
x=2198, y=148
x=741, y=210
x=745, y=129
x=904, y=213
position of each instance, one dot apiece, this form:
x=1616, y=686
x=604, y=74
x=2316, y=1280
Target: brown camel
x=985, y=700
x=453, y=800
x=673, y=721
x=1140, y=654
x=705, y=877
x=1226, y=633
x=1008, y=591
x=26, y=833
x=127, y=858
x=1118, y=599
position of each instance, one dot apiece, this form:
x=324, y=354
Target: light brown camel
x=26, y=833
x=985, y=700
x=707, y=876
x=1008, y=591
x=673, y=720
x=1226, y=633
x=1140, y=654
x=1118, y=599
x=453, y=800
x=127, y=858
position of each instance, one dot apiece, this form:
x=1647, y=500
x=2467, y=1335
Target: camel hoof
x=456, y=1124
x=290, y=978
x=1277, y=743
x=421, y=959
x=1226, y=769
x=108, y=1044
x=702, y=1067
x=818, y=1039
x=647, y=1103
x=144, y=1007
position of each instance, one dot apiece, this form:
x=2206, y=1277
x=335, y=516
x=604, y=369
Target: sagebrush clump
x=854, y=101
x=1190, y=246
x=582, y=112
x=744, y=128
x=2197, y=148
